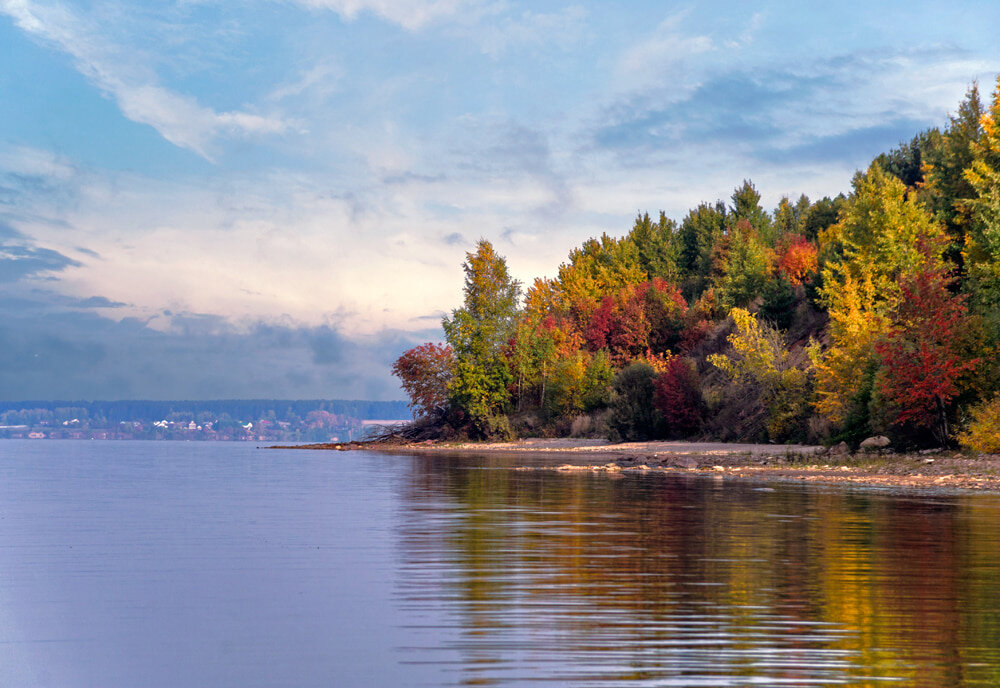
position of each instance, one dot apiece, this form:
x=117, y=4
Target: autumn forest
x=874, y=312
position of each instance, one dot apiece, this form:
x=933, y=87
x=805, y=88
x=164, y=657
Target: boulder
x=840, y=449
x=875, y=443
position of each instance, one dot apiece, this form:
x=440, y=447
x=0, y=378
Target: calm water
x=185, y=564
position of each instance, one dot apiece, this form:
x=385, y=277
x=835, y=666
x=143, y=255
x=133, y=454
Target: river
x=213, y=564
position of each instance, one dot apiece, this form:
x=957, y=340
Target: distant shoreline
x=934, y=470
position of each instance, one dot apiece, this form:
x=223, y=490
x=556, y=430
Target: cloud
x=20, y=258
x=317, y=82
x=178, y=118
x=49, y=352
x=844, y=108
x=410, y=14
x=663, y=56
x=507, y=32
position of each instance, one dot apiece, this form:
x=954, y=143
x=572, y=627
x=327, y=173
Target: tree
x=983, y=432
x=921, y=354
x=479, y=332
x=797, y=258
x=759, y=358
x=620, y=326
x=746, y=206
x=982, y=253
x=945, y=190
x=665, y=308
x=786, y=218
x=745, y=266
x=778, y=303
x=821, y=215
x=699, y=232
x=657, y=246
x=677, y=395
x=424, y=372
x=876, y=240
x=633, y=416
x=906, y=161
x=595, y=270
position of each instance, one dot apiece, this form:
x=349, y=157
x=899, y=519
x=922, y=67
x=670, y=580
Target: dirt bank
x=929, y=470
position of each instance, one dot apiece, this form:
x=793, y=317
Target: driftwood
x=420, y=430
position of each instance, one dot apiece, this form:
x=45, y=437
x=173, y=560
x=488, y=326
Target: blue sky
x=207, y=199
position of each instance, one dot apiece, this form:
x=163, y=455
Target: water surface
x=190, y=564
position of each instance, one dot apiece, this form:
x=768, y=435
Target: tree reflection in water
x=670, y=580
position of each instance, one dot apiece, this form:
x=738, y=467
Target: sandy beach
x=932, y=469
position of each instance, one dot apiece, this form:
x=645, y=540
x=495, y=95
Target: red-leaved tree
x=921, y=354
x=677, y=395
x=797, y=258
x=665, y=309
x=424, y=372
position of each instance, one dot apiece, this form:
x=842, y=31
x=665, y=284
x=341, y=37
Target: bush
x=983, y=433
x=633, y=416
x=759, y=361
x=495, y=427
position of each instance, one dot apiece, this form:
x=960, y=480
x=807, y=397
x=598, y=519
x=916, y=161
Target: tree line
x=108, y=413
x=874, y=312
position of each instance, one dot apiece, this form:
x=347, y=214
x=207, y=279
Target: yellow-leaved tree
x=982, y=248
x=759, y=358
x=876, y=240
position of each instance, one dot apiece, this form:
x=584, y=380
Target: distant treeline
x=237, y=409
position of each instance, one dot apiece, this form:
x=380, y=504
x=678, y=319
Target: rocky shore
x=879, y=466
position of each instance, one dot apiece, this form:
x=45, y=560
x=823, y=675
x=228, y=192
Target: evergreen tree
x=657, y=245
x=746, y=206
x=698, y=234
x=982, y=253
x=946, y=189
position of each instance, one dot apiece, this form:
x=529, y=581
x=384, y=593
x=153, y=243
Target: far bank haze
x=221, y=419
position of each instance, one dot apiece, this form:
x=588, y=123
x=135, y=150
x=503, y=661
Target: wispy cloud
x=847, y=107
x=664, y=57
x=410, y=14
x=505, y=32
x=178, y=118
x=21, y=259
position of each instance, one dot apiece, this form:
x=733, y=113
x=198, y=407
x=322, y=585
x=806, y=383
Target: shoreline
x=942, y=470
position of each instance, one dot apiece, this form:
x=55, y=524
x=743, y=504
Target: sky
x=204, y=199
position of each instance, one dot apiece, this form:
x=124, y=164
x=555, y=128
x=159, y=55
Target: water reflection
x=531, y=577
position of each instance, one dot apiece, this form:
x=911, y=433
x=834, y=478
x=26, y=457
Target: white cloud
x=499, y=34
x=662, y=58
x=33, y=162
x=318, y=82
x=410, y=14
x=178, y=118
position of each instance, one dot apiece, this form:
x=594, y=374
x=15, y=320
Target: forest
x=874, y=312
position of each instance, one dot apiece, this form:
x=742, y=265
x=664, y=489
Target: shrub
x=633, y=416
x=983, y=433
x=495, y=427
x=759, y=360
